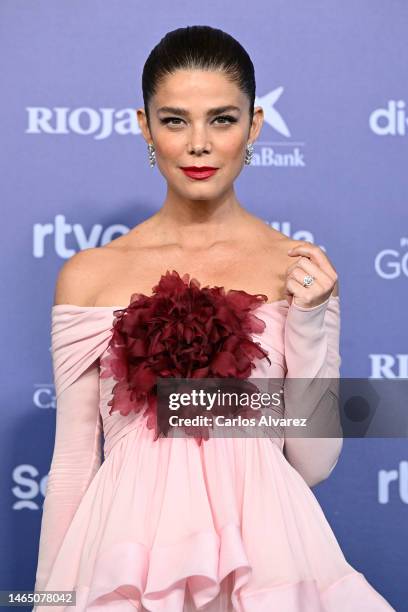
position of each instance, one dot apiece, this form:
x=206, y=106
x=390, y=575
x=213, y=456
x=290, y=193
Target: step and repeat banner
x=330, y=166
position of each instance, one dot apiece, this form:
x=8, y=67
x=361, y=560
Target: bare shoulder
x=279, y=244
x=80, y=276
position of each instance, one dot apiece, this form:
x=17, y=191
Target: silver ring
x=308, y=280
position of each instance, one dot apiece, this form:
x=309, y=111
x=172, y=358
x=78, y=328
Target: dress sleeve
x=311, y=388
x=77, y=453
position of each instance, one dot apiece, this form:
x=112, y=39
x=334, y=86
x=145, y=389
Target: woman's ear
x=142, y=121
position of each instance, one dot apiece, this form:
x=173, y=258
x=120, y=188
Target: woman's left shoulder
x=279, y=244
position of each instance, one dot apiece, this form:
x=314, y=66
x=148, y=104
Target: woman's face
x=196, y=130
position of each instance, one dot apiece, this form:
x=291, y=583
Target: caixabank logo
x=106, y=122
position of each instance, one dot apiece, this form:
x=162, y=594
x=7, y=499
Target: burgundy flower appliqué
x=181, y=331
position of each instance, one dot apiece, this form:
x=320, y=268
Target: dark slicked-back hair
x=203, y=48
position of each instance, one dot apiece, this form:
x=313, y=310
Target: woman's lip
x=199, y=174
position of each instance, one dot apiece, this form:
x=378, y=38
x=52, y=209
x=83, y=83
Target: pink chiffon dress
x=168, y=525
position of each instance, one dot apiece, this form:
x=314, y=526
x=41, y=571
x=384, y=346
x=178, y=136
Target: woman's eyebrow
x=213, y=111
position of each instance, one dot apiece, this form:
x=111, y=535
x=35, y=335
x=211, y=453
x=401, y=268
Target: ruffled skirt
x=168, y=526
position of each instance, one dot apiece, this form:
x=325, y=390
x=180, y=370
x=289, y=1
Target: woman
x=166, y=524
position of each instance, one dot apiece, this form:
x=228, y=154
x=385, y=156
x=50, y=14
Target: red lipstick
x=199, y=172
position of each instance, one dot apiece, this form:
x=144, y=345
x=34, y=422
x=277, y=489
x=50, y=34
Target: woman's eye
x=227, y=117
x=224, y=118
x=168, y=119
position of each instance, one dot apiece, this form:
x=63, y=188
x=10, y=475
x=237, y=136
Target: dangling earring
x=152, y=154
x=249, y=152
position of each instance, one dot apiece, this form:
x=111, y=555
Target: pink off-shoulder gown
x=169, y=526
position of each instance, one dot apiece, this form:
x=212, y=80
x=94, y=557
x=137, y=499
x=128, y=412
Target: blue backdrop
x=330, y=166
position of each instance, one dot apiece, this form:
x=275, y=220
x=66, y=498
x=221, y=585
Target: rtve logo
x=390, y=121
x=103, y=122
x=399, y=477
x=55, y=236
